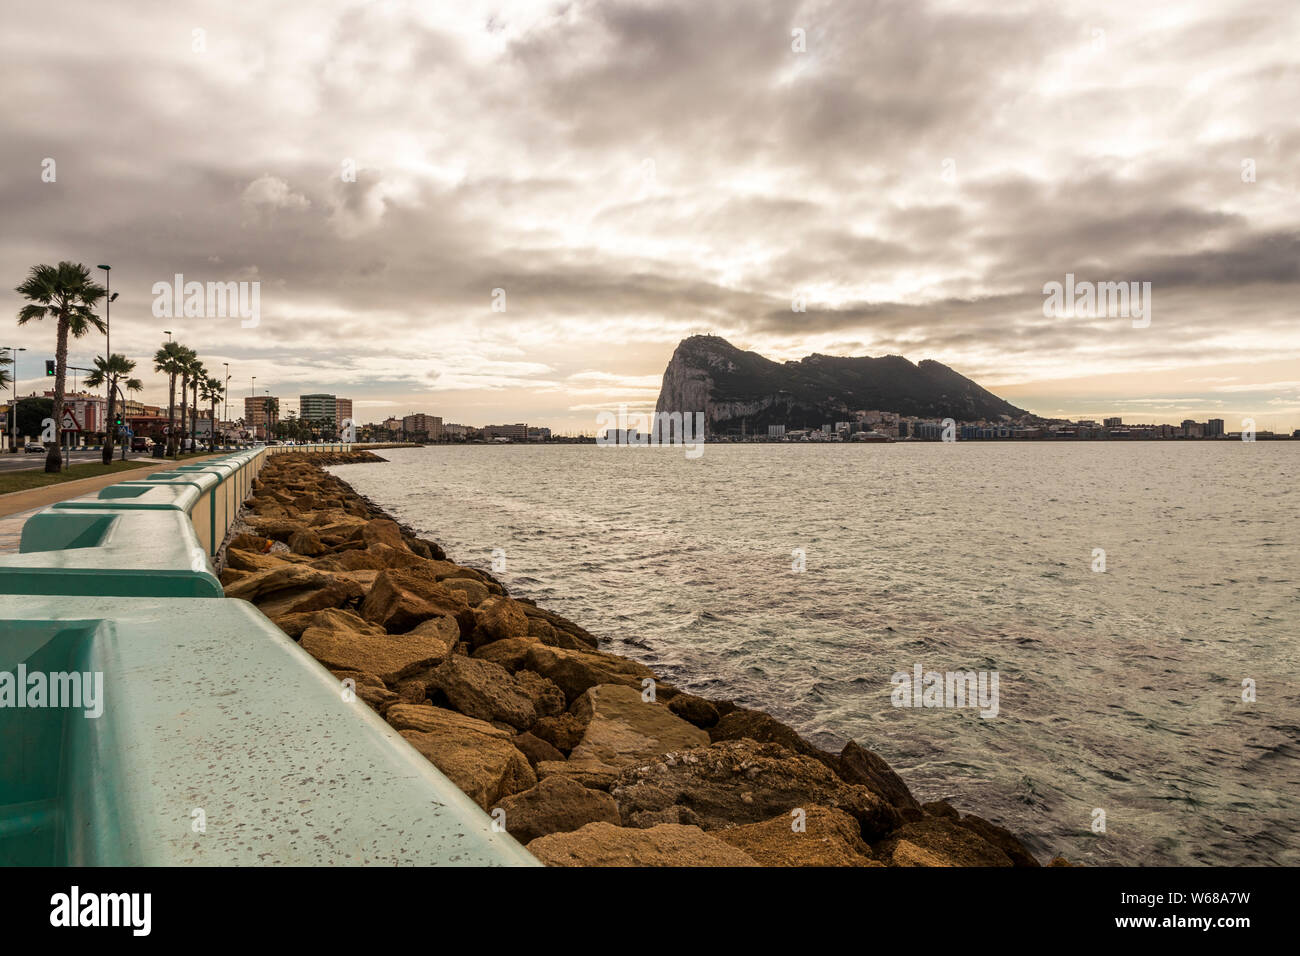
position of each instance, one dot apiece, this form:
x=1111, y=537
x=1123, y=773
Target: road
x=22, y=460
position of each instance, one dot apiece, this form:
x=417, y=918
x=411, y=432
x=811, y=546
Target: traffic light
x=118, y=421
x=49, y=366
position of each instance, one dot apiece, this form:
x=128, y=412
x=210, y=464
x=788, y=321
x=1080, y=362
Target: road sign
x=69, y=422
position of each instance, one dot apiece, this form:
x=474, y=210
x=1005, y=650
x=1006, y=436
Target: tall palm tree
x=213, y=389
x=187, y=360
x=67, y=293
x=169, y=360
x=198, y=375
x=114, y=370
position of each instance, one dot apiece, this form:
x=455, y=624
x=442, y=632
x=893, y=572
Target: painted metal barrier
x=199, y=734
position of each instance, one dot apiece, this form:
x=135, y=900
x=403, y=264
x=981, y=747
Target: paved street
x=22, y=460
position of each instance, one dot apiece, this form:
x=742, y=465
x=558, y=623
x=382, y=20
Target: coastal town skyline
x=526, y=232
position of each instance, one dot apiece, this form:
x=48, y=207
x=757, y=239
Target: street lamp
x=108, y=356
x=168, y=333
x=13, y=404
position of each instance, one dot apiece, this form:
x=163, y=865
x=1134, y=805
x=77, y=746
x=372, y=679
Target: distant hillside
x=709, y=374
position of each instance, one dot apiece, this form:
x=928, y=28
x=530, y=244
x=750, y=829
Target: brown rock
x=536, y=749
x=401, y=599
x=385, y=531
x=741, y=781
x=623, y=729
x=229, y=576
x=603, y=844
x=509, y=653
x=1002, y=838
x=830, y=838
x=475, y=591
x=341, y=640
x=485, y=690
x=744, y=724
x=576, y=671
x=593, y=774
x=485, y=768
x=250, y=542
x=556, y=805
x=282, y=577
x=941, y=808
x=294, y=624
x=427, y=719
x=336, y=594
x=501, y=618
x=695, y=710
x=944, y=842
x=562, y=732
x=548, y=700
x=305, y=542
x=859, y=765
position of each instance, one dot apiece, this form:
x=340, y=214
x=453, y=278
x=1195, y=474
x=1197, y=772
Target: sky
x=504, y=212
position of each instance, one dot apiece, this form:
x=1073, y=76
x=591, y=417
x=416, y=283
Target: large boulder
x=536, y=749
x=938, y=841
x=1002, y=838
x=623, y=729
x=427, y=719
x=556, y=805
x=343, y=641
x=576, y=671
x=400, y=599
x=280, y=577
x=548, y=700
x=475, y=591
x=510, y=653
x=829, y=837
x=485, y=690
x=562, y=732
x=603, y=844
x=742, y=781
x=337, y=593
x=561, y=631
x=858, y=765
x=744, y=724
x=696, y=710
x=306, y=542
x=499, y=617
x=383, y=531
x=486, y=768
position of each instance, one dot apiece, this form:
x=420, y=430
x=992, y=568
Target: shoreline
x=583, y=755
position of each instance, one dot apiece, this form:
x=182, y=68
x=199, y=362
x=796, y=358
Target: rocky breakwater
x=584, y=756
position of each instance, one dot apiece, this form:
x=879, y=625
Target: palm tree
x=66, y=292
x=169, y=360
x=187, y=360
x=113, y=370
x=213, y=389
x=198, y=375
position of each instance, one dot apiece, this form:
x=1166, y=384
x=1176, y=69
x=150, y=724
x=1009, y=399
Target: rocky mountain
x=707, y=373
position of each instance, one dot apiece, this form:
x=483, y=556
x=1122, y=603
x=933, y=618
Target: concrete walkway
x=24, y=501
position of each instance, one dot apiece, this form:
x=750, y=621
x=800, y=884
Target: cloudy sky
x=632, y=172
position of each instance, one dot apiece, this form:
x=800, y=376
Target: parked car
x=35, y=448
x=141, y=443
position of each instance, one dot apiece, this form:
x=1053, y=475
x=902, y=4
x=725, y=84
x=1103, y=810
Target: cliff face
x=709, y=374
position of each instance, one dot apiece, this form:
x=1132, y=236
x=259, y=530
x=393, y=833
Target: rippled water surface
x=1119, y=691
